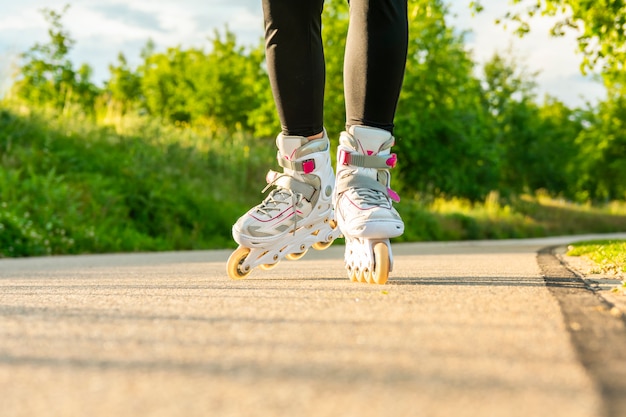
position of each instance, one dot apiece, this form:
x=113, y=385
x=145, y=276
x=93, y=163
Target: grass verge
x=608, y=255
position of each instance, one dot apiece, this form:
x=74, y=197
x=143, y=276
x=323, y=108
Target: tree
x=601, y=161
x=514, y=115
x=442, y=119
x=334, y=33
x=168, y=83
x=600, y=26
x=222, y=89
x=233, y=81
x=47, y=76
x=124, y=86
x=555, y=150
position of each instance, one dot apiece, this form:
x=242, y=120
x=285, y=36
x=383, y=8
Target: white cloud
x=86, y=24
x=104, y=28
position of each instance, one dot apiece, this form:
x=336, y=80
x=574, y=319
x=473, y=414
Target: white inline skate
x=363, y=202
x=296, y=215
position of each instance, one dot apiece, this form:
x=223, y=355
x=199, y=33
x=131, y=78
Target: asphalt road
x=460, y=329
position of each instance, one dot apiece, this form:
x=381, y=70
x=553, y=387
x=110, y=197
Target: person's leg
x=373, y=72
x=298, y=213
x=295, y=63
x=375, y=60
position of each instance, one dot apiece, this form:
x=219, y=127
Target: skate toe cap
x=374, y=230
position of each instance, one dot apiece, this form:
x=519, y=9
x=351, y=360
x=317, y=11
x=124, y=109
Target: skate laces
x=364, y=197
x=278, y=198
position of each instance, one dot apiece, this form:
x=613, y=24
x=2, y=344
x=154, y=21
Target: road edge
x=598, y=336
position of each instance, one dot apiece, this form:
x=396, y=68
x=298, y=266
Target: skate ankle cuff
x=367, y=161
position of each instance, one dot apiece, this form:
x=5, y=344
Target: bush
x=70, y=187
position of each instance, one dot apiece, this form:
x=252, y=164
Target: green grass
x=68, y=186
x=608, y=255
x=496, y=218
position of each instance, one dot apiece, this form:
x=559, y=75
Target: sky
x=104, y=28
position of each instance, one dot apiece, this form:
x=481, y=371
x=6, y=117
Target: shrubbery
x=69, y=187
x=167, y=155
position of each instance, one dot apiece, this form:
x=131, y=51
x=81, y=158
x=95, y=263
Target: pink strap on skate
x=393, y=195
x=344, y=157
x=308, y=166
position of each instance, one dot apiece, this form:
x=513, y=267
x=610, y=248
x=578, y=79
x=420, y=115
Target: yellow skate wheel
x=352, y=275
x=360, y=275
x=235, y=261
x=325, y=245
x=381, y=263
x=267, y=267
x=368, y=276
x=295, y=256
x=322, y=245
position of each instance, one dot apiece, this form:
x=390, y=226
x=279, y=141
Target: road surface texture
x=461, y=329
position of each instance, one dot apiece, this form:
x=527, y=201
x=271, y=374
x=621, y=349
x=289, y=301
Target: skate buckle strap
x=362, y=181
x=367, y=161
x=306, y=166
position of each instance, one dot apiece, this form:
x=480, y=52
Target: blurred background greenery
x=168, y=154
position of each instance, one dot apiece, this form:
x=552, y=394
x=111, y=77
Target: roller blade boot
x=296, y=215
x=364, y=202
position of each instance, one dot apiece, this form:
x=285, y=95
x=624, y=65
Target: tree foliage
x=461, y=130
x=602, y=157
x=600, y=27
x=47, y=76
x=124, y=86
x=218, y=89
x=441, y=116
x=334, y=32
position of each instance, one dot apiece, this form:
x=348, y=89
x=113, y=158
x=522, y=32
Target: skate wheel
x=381, y=263
x=295, y=256
x=352, y=275
x=322, y=245
x=368, y=276
x=360, y=275
x=235, y=261
x=267, y=267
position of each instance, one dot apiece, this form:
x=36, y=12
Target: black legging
x=375, y=59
